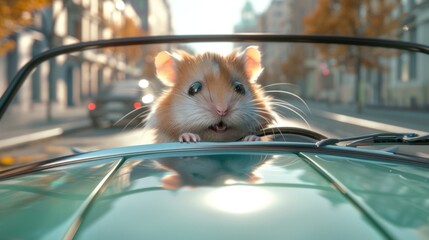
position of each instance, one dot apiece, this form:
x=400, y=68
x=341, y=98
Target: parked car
x=121, y=103
x=300, y=185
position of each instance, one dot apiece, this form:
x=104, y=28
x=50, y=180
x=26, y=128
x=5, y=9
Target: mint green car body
x=218, y=191
x=235, y=190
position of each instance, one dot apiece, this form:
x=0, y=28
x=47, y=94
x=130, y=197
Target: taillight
x=137, y=105
x=92, y=106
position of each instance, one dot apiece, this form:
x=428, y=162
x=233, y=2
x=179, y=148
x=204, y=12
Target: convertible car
x=301, y=184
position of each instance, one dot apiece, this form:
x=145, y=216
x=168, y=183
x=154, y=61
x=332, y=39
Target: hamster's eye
x=195, y=88
x=238, y=87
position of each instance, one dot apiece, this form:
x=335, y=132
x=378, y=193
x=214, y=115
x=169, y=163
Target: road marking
x=57, y=149
x=30, y=137
x=368, y=123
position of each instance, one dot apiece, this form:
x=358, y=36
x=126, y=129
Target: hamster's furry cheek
x=186, y=111
x=250, y=114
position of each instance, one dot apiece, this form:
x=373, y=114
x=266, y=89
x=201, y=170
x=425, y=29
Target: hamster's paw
x=251, y=138
x=189, y=137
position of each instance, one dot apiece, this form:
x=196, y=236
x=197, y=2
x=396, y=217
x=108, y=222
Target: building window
x=407, y=61
x=76, y=30
x=404, y=67
x=12, y=62
x=74, y=23
x=405, y=4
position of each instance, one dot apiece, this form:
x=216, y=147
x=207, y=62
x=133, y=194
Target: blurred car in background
x=122, y=103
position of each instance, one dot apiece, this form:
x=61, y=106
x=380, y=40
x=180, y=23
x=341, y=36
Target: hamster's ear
x=171, y=182
x=165, y=64
x=252, y=62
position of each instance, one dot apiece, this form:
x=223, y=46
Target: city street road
x=86, y=140
x=328, y=121
x=340, y=122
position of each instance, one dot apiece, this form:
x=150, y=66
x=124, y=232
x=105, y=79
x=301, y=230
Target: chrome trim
x=82, y=211
x=198, y=148
x=341, y=188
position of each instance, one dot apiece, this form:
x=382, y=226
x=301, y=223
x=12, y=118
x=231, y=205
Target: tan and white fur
x=210, y=98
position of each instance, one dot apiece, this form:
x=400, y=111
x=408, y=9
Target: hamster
x=211, y=97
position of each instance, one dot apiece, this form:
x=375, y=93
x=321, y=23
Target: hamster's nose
x=221, y=111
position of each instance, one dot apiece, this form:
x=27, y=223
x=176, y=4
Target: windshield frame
x=179, y=149
x=22, y=74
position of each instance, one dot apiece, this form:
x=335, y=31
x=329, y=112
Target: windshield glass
x=230, y=94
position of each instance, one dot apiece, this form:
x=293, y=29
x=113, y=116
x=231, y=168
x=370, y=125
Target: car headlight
x=148, y=98
x=143, y=83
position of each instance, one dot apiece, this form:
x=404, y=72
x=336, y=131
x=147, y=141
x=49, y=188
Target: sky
x=210, y=17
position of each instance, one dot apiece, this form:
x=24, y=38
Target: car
x=300, y=185
x=121, y=103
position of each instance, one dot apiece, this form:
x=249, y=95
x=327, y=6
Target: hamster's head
x=212, y=95
x=209, y=170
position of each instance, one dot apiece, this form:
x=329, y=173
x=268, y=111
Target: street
x=330, y=120
x=340, y=121
x=84, y=140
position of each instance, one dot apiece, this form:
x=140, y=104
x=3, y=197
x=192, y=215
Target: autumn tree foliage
x=356, y=18
x=127, y=28
x=14, y=15
x=294, y=66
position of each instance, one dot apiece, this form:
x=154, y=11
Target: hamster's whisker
x=288, y=105
x=277, y=84
x=249, y=126
x=274, y=127
x=285, y=105
x=291, y=94
x=292, y=110
x=126, y=115
x=289, y=108
x=131, y=112
x=140, y=124
x=260, y=108
x=259, y=113
x=138, y=116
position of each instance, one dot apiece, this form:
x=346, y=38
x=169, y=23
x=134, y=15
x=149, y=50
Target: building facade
x=409, y=86
x=402, y=83
x=75, y=77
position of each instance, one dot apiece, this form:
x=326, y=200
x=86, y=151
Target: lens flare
x=239, y=199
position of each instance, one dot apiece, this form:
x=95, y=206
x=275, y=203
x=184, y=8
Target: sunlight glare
x=239, y=199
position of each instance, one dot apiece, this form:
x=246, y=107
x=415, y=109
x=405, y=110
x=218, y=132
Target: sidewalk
x=18, y=127
x=412, y=119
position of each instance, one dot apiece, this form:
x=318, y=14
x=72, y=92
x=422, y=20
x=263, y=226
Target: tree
x=16, y=14
x=294, y=66
x=128, y=28
x=358, y=18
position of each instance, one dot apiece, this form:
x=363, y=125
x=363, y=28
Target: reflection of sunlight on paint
x=239, y=199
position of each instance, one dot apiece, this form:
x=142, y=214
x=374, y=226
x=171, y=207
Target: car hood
x=207, y=195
